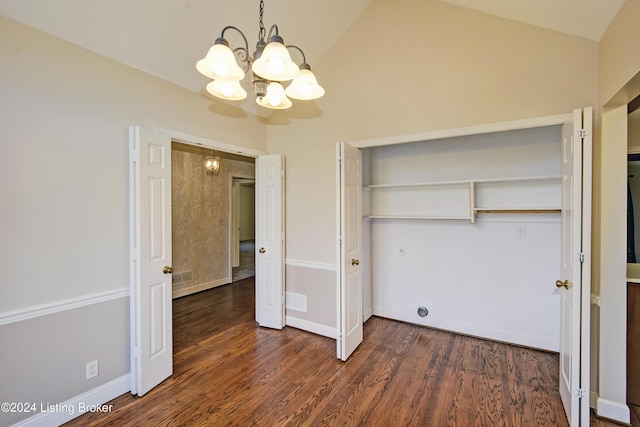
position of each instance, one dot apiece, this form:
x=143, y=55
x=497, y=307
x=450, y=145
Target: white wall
x=481, y=279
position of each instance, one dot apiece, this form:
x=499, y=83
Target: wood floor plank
x=229, y=371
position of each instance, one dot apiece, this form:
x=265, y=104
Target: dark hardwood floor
x=228, y=371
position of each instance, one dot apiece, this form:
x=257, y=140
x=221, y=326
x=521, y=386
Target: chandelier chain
x=262, y=32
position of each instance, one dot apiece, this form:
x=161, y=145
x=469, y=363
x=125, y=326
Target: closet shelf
x=517, y=210
x=463, y=183
x=466, y=218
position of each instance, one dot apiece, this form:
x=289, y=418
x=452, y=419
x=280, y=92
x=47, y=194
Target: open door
x=270, y=241
x=150, y=239
x=575, y=281
x=350, y=329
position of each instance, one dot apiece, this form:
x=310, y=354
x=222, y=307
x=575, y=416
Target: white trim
x=70, y=409
x=593, y=399
x=209, y=143
x=464, y=131
x=366, y=315
x=466, y=328
x=201, y=287
x=310, y=264
x=613, y=410
x=316, y=328
x=35, y=311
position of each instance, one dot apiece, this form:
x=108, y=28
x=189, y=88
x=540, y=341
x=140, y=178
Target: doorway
x=151, y=236
x=243, y=232
x=209, y=214
x=206, y=213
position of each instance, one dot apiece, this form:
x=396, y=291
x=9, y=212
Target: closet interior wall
x=469, y=228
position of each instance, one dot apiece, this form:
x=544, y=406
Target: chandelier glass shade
x=227, y=89
x=270, y=64
x=275, y=97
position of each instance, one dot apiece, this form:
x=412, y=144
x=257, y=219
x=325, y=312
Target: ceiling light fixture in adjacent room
x=270, y=64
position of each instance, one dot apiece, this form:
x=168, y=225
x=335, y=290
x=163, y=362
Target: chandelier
x=270, y=64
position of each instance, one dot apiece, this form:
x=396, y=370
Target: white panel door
x=350, y=329
x=574, y=282
x=150, y=194
x=270, y=241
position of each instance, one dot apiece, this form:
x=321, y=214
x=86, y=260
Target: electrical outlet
x=92, y=369
x=520, y=232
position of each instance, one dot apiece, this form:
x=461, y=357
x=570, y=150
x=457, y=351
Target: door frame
x=136, y=223
x=555, y=120
x=234, y=246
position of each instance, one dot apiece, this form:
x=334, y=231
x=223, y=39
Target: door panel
x=574, y=283
x=270, y=241
x=151, y=324
x=350, y=318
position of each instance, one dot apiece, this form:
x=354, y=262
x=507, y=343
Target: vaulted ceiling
x=166, y=38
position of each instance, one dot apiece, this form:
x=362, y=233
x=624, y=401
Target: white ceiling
x=166, y=38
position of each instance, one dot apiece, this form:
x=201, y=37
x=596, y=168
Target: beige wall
x=64, y=233
x=620, y=57
x=619, y=83
x=201, y=221
x=247, y=212
x=64, y=123
x=441, y=67
x=65, y=114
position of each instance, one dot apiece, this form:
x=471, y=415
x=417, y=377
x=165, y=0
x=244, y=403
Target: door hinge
x=581, y=393
x=339, y=160
x=135, y=352
x=340, y=240
x=582, y=133
x=581, y=256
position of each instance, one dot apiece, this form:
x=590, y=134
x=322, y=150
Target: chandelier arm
x=241, y=52
x=271, y=30
x=304, y=58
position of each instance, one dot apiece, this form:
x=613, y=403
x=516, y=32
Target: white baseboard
x=199, y=288
x=613, y=410
x=306, y=325
x=593, y=400
x=367, y=314
x=465, y=328
x=92, y=401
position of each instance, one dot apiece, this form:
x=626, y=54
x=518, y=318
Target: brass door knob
x=262, y=250
x=355, y=262
x=167, y=269
x=561, y=284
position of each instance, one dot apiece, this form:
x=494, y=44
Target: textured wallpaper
x=200, y=223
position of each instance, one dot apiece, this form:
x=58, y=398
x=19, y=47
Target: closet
x=468, y=228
